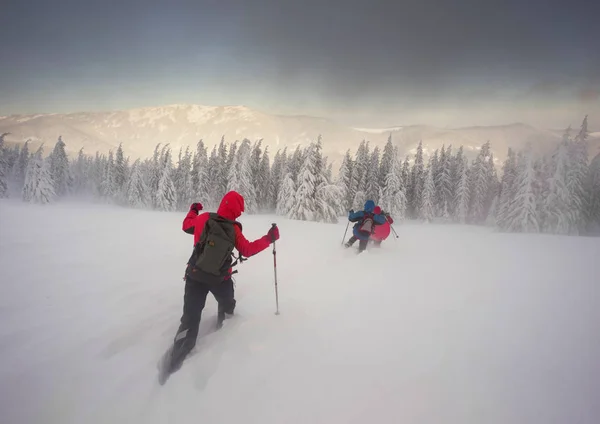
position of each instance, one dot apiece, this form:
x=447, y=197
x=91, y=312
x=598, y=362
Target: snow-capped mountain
x=140, y=130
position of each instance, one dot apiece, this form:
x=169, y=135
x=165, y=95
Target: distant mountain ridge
x=141, y=129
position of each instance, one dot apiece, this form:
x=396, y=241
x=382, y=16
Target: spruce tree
x=19, y=167
x=204, y=185
x=507, y=189
x=278, y=174
x=393, y=198
x=462, y=193
x=344, y=181
x=372, y=176
x=417, y=180
x=59, y=169
x=166, y=195
x=120, y=174
x=523, y=216
x=558, y=201
x=183, y=181
x=593, y=191
x=210, y=191
x=577, y=176
x=108, y=187
x=482, y=185
x=223, y=166
x=264, y=182
x=286, y=198
x=359, y=174
x=136, y=188
x=240, y=176
x=443, y=184
x=304, y=206
x=386, y=162
x=39, y=187
x=426, y=212
x=3, y=168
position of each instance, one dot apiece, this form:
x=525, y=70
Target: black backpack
x=213, y=254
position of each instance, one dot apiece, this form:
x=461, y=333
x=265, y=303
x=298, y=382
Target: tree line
x=552, y=193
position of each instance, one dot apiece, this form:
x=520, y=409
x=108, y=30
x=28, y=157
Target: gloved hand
x=196, y=207
x=273, y=234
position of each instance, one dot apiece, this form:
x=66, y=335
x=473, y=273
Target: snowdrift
x=447, y=324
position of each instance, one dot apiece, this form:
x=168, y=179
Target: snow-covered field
x=447, y=324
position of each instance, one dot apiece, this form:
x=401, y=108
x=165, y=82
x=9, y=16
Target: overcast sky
x=365, y=63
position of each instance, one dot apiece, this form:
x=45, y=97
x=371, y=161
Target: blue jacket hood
x=369, y=206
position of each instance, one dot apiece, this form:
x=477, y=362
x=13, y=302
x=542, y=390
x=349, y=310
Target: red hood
x=377, y=210
x=232, y=205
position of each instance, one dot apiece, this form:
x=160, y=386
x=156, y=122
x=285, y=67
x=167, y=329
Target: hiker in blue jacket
x=365, y=225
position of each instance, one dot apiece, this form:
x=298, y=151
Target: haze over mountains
x=140, y=130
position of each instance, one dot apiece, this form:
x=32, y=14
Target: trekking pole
x=344, y=238
x=275, y=271
x=392, y=227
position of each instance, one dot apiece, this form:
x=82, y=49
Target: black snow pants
x=193, y=303
x=362, y=244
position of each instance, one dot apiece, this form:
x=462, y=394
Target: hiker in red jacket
x=198, y=277
x=382, y=232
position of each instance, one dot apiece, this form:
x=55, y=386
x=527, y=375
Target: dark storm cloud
x=354, y=47
x=319, y=54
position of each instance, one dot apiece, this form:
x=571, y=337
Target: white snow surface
x=447, y=324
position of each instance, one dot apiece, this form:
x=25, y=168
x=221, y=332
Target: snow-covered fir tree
x=328, y=196
x=386, y=162
x=221, y=170
x=328, y=199
x=507, y=189
x=137, y=192
x=523, y=215
x=359, y=201
x=443, y=184
x=456, y=172
x=543, y=173
x=558, y=200
x=593, y=193
x=577, y=176
x=372, y=176
x=393, y=198
x=79, y=172
x=278, y=174
x=295, y=163
x=304, y=204
x=344, y=180
x=39, y=187
x=417, y=181
x=59, y=169
x=20, y=166
x=358, y=184
x=3, y=168
x=183, y=180
x=426, y=211
x=107, y=185
x=463, y=200
x=210, y=192
x=202, y=185
x=166, y=196
x=120, y=174
x=286, y=198
x=481, y=185
x=240, y=176
x=264, y=183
